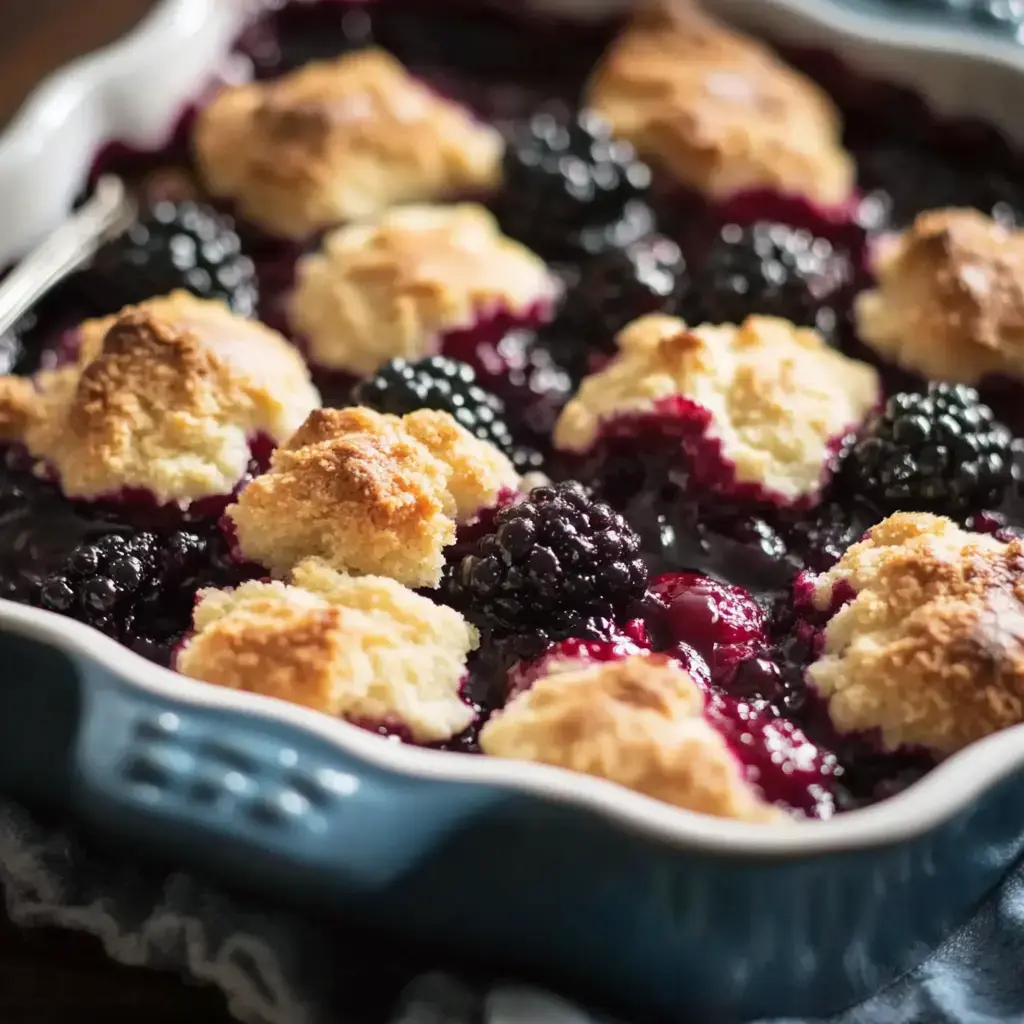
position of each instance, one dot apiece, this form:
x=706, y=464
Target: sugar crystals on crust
x=929, y=650
x=719, y=111
x=638, y=722
x=370, y=494
x=340, y=141
x=394, y=287
x=366, y=649
x=949, y=303
x=166, y=397
x=772, y=396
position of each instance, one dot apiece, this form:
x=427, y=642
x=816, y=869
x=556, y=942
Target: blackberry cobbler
x=562, y=402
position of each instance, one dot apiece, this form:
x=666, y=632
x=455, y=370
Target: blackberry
x=819, y=539
x=98, y=576
x=613, y=289
x=137, y=588
x=572, y=189
x=174, y=245
x=941, y=451
x=557, y=562
x=450, y=386
x=770, y=269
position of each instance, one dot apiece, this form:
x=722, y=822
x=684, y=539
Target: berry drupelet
x=571, y=189
x=558, y=563
x=613, y=289
x=770, y=269
x=437, y=382
x=174, y=245
x=941, y=451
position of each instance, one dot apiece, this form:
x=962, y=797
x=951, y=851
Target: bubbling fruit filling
x=636, y=400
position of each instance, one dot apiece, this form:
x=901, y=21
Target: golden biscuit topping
x=366, y=649
x=166, y=397
x=340, y=141
x=930, y=649
x=19, y=407
x=719, y=111
x=392, y=288
x=638, y=722
x=949, y=303
x=777, y=395
x=370, y=494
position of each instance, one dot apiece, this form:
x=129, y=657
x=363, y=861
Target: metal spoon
x=108, y=212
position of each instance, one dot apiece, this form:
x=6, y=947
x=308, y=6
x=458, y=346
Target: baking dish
x=651, y=909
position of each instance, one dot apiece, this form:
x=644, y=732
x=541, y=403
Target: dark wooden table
x=49, y=977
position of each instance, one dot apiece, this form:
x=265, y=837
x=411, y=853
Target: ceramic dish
x=658, y=911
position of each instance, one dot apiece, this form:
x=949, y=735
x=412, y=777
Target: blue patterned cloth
x=276, y=969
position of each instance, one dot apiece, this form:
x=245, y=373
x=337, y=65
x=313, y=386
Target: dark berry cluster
x=437, y=382
x=136, y=587
x=820, y=538
x=613, y=289
x=174, y=245
x=770, y=269
x=520, y=368
x=555, y=563
x=571, y=188
x=941, y=451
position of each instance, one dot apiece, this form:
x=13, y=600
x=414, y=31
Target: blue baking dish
x=659, y=913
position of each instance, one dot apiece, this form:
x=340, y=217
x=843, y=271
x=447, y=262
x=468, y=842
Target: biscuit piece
x=19, y=407
x=340, y=141
x=718, y=111
x=772, y=397
x=395, y=287
x=638, y=722
x=930, y=649
x=366, y=649
x=950, y=298
x=370, y=494
x=166, y=397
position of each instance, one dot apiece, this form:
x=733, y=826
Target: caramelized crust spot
x=339, y=141
x=369, y=493
x=930, y=650
x=949, y=303
x=393, y=288
x=638, y=722
x=366, y=649
x=166, y=397
x=719, y=111
x=476, y=472
x=778, y=396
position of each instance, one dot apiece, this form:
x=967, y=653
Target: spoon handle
x=109, y=211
